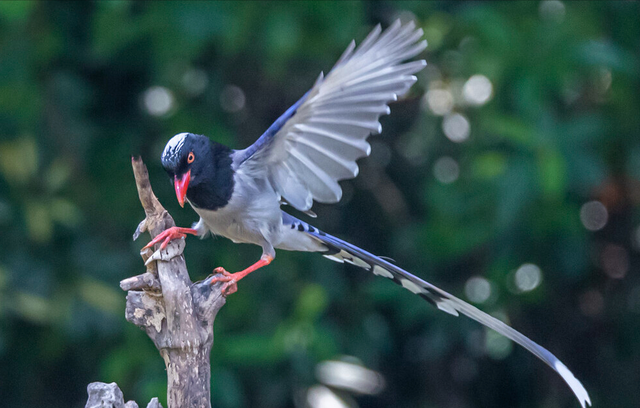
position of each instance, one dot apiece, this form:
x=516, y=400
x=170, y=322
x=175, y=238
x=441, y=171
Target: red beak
x=181, y=185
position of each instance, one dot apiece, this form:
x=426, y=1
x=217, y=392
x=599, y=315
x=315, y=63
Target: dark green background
x=562, y=129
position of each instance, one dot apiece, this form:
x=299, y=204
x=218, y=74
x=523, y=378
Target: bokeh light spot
x=477, y=289
x=497, y=346
x=456, y=127
x=349, y=376
x=232, y=99
x=478, y=90
x=195, y=81
x=439, y=101
x=158, y=101
x=527, y=277
x=552, y=10
x=615, y=261
x=320, y=396
x=446, y=170
x=594, y=215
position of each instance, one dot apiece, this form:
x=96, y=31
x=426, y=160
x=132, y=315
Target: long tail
x=341, y=251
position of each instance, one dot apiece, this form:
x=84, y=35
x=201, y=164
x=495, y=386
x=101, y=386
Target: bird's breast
x=252, y=215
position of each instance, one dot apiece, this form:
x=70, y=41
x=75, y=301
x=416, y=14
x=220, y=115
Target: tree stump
x=176, y=313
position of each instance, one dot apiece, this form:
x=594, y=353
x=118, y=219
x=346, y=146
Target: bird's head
x=187, y=159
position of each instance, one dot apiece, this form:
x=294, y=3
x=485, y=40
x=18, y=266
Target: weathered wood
x=103, y=395
x=176, y=314
x=147, y=281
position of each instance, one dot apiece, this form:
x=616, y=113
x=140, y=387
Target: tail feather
x=341, y=251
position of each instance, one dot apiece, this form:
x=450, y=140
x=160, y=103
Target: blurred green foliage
x=84, y=85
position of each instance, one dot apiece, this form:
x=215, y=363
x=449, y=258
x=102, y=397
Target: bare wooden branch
x=102, y=395
x=176, y=313
x=146, y=281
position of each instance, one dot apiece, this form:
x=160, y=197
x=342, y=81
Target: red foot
x=170, y=234
x=231, y=279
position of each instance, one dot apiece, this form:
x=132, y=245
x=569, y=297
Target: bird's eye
x=191, y=157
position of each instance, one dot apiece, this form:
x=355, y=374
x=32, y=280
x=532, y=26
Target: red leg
x=231, y=279
x=170, y=234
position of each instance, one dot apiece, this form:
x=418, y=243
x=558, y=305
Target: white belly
x=235, y=225
x=251, y=216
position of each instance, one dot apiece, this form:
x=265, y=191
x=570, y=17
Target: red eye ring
x=191, y=157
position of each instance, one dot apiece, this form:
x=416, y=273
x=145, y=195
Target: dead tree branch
x=176, y=313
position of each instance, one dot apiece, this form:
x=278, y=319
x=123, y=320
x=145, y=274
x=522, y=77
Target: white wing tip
x=407, y=284
x=395, y=24
x=575, y=385
x=334, y=258
x=445, y=307
x=422, y=45
x=380, y=271
x=411, y=23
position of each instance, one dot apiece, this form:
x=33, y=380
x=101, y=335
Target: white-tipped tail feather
x=342, y=251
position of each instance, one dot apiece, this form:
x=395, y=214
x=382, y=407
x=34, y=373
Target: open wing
x=317, y=141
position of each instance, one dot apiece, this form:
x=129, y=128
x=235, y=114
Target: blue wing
x=266, y=138
x=317, y=141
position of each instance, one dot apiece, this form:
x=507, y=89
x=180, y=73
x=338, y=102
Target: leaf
x=19, y=159
x=489, y=165
x=552, y=173
x=16, y=10
x=509, y=128
x=312, y=302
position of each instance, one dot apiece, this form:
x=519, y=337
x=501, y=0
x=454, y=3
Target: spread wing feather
x=317, y=141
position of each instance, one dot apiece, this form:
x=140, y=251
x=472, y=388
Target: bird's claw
x=168, y=235
x=221, y=271
x=230, y=282
x=169, y=252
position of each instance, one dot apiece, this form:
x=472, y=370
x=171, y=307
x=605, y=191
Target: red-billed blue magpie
x=301, y=158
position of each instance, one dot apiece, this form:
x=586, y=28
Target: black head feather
x=211, y=182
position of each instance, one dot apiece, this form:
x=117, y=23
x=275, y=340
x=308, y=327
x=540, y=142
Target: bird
x=299, y=159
